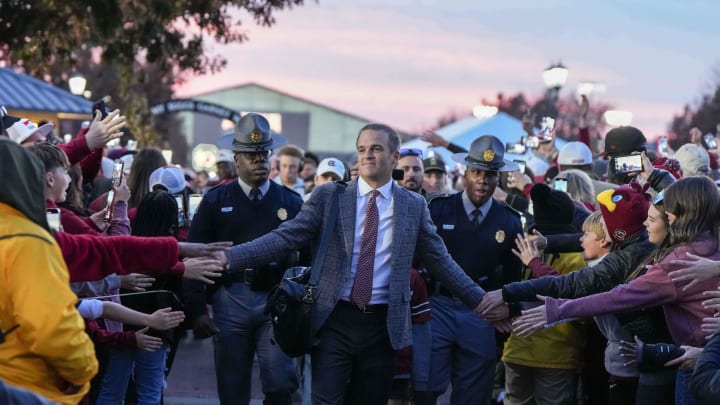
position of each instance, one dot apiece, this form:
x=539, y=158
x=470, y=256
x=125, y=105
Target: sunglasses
x=411, y=152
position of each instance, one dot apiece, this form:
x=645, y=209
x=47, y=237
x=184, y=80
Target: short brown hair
x=593, y=224
x=291, y=150
x=50, y=155
x=393, y=137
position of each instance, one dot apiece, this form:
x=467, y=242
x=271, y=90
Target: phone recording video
x=560, y=184
x=662, y=148
x=117, y=172
x=515, y=148
x=194, y=201
x=110, y=202
x=53, y=218
x=710, y=141
x=100, y=106
x=181, y=210
x=628, y=164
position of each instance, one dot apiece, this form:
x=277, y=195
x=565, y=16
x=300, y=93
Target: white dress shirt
x=383, y=246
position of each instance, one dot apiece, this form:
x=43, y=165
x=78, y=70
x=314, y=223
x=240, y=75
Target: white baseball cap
x=331, y=165
x=20, y=129
x=575, y=154
x=225, y=155
x=170, y=177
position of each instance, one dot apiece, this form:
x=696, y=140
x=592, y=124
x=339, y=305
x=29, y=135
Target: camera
x=710, y=142
x=515, y=148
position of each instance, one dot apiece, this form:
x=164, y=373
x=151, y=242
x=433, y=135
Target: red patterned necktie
x=362, y=286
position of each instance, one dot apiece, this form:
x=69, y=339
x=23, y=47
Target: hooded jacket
x=49, y=350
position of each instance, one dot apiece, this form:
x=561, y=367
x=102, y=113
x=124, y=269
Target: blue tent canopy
x=22, y=92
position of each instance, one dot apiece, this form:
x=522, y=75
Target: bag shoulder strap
x=326, y=232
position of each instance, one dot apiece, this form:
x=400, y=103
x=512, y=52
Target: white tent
x=464, y=131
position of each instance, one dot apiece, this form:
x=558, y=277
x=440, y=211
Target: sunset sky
x=408, y=62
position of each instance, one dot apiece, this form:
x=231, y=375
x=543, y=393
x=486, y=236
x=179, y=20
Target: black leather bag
x=290, y=303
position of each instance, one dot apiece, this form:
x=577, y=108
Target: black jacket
x=705, y=382
x=614, y=269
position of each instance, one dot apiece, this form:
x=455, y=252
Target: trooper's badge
x=489, y=155
x=282, y=214
x=500, y=236
x=256, y=136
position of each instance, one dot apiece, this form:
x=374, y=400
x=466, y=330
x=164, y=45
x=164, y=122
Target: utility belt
x=261, y=278
x=482, y=281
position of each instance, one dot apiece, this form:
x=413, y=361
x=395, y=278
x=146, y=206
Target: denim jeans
x=683, y=396
x=245, y=330
x=148, y=368
x=463, y=352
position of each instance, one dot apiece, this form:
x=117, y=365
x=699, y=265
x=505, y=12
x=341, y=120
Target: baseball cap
x=434, y=163
x=20, y=129
x=624, y=140
x=331, y=165
x=694, y=160
x=170, y=177
x=575, y=154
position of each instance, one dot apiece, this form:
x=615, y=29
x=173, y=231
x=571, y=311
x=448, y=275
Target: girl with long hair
x=692, y=205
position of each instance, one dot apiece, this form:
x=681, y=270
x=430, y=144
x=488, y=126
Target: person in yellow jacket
x=45, y=348
x=542, y=368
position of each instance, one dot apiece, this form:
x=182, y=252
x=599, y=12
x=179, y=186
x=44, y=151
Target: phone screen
x=663, y=146
x=117, y=173
x=560, y=184
x=110, y=201
x=193, y=204
x=521, y=165
x=53, y=218
x=710, y=141
x=628, y=164
x=181, y=210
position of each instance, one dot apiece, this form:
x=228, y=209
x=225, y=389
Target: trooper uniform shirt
x=483, y=251
x=226, y=213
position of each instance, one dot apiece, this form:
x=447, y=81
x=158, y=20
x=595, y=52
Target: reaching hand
x=202, y=268
x=491, y=300
x=98, y=219
x=504, y=326
x=526, y=249
x=203, y=327
x=695, y=270
x=136, y=282
x=629, y=351
x=434, y=139
x=528, y=123
x=688, y=359
x=713, y=301
x=145, y=342
x=647, y=167
x=188, y=249
x=166, y=318
x=102, y=131
x=710, y=326
x=539, y=240
x=122, y=192
x=531, y=321
x=584, y=107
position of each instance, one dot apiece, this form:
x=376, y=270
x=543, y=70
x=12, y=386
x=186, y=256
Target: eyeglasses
x=659, y=198
x=411, y=152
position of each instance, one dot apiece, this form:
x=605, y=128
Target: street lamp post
x=554, y=77
x=77, y=84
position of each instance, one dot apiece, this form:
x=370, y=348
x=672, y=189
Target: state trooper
x=479, y=233
x=241, y=211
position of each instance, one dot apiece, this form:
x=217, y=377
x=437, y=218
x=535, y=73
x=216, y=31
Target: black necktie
x=475, y=216
x=254, y=194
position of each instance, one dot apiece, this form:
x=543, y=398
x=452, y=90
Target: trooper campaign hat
x=486, y=153
x=252, y=134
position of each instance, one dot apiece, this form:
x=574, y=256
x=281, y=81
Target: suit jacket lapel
x=400, y=217
x=348, y=208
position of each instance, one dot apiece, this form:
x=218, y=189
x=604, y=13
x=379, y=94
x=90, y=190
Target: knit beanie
x=553, y=210
x=624, y=210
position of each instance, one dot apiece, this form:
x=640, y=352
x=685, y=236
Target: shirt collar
x=246, y=188
x=470, y=207
x=365, y=189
